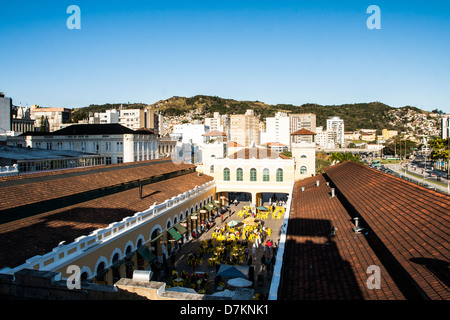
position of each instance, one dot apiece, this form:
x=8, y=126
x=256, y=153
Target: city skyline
x=291, y=52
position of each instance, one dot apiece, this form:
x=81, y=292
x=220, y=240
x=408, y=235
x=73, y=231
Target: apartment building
x=300, y=121
x=244, y=128
x=49, y=119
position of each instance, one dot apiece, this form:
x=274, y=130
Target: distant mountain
x=373, y=115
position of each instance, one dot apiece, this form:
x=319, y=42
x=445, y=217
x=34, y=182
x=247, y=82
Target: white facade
x=117, y=148
x=445, y=127
x=190, y=133
x=132, y=118
x=109, y=116
x=335, y=131
x=277, y=129
x=321, y=137
x=219, y=122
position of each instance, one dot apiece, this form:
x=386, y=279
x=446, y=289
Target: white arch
x=156, y=227
x=167, y=221
x=129, y=244
x=140, y=237
x=87, y=270
x=100, y=260
x=116, y=250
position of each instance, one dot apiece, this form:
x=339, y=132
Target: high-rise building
x=132, y=118
x=244, y=129
x=219, y=122
x=445, y=127
x=5, y=113
x=277, y=129
x=335, y=132
x=300, y=121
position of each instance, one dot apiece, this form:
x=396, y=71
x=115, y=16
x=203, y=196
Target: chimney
x=332, y=192
x=317, y=183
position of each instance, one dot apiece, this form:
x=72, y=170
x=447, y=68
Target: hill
x=373, y=115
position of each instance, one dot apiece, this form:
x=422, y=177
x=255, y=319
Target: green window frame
x=239, y=174
x=266, y=175
x=279, y=175
x=252, y=174
x=303, y=170
x=226, y=174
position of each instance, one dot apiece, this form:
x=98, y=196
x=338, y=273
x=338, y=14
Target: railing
x=64, y=252
x=276, y=277
x=9, y=170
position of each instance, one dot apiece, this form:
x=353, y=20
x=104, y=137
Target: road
x=418, y=171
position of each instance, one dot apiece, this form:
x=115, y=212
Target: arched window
x=266, y=175
x=211, y=169
x=303, y=156
x=239, y=175
x=279, y=175
x=303, y=170
x=252, y=174
x=226, y=174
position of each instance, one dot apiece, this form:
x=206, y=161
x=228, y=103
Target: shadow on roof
x=313, y=268
x=20, y=243
x=439, y=268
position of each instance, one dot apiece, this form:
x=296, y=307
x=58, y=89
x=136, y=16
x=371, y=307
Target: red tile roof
x=258, y=153
x=39, y=234
x=320, y=267
x=214, y=133
x=302, y=131
x=408, y=224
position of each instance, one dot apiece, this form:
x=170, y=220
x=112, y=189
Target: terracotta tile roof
x=408, y=224
x=39, y=234
x=303, y=131
x=214, y=133
x=258, y=153
x=319, y=267
x=232, y=144
x=28, y=189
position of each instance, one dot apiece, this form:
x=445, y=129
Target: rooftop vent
x=332, y=192
x=317, y=183
x=357, y=228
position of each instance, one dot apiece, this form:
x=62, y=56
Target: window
x=239, y=175
x=119, y=159
x=253, y=174
x=108, y=160
x=279, y=175
x=211, y=169
x=303, y=170
x=303, y=156
x=226, y=174
x=119, y=146
x=108, y=146
x=266, y=176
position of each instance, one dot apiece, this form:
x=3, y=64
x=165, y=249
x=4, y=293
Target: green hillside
x=373, y=115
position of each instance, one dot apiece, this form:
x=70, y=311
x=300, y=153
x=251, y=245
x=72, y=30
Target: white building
x=335, y=132
x=115, y=142
x=132, y=118
x=219, y=123
x=109, y=116
x=277, y=129
x=321, y=137
x=189, y=133
x=445, y=127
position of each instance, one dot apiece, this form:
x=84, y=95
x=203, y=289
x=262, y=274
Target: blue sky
x=273, y=51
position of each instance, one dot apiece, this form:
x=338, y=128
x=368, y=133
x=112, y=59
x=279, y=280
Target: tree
x=342, y=157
